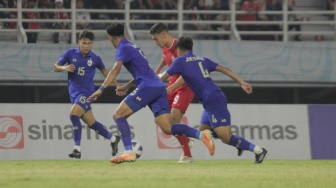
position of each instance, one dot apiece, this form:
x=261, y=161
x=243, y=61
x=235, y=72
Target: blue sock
x=77, y=129
x=125, y=132
x=241, y=143
x=101, y=130
x=214, y=134
x=185, y=130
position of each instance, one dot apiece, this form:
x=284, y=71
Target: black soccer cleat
x=75, y=154
x=240, y=152
x=114, y=146
x=259, y=158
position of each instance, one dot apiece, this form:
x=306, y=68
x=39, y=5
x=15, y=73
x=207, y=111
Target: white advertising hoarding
x=44, y=131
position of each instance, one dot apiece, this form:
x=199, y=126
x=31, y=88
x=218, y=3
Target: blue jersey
x=196, y=73
x=81, y=80
x=136, y=63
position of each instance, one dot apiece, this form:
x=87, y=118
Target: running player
x=81, y=64
x=180, y=98
x=150, y=90
x=195, y=72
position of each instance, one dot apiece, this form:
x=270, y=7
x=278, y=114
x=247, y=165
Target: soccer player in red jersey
x=180, y=98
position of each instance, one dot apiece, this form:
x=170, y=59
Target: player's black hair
x=185, y=44
x=115, y=30
x=158, y=28
x=86, y=34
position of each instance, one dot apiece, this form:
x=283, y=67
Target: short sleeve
x=100, y=64
x=212, y=65
x=176, y=67
x=64, y=57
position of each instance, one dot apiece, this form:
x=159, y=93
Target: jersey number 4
x=204, y=71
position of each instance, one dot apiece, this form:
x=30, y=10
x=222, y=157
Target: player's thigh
x=159, y=104
x=123, y=111
x=88, y=118
x=164, y=121
x=176, y=115
x=203, y=127
x=80, y=104
x=76, y=110
x=224, y=133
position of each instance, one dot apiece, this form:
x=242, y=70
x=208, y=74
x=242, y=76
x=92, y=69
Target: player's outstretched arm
x=179, y=82
x=60, y=68
x=122, y=90
x=114, y=72
x=160, y=67
x=105, y=73
x=245, y=86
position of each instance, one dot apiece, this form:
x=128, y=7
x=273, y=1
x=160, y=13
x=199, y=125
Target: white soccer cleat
x=190, y=144
x=185, y=159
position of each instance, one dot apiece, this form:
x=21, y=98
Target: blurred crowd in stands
x=251, y=7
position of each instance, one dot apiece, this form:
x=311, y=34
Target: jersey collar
x=78, y=52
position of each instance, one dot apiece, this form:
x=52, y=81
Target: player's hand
x=247, y=87
x=95, y=95
x=70, y=68
x=121, y=91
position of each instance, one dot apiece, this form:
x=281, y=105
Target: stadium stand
x=315, y=18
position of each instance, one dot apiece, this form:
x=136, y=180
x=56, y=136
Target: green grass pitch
x=167, y=173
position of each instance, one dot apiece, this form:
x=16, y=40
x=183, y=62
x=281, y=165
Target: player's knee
x=224, y=138
x=166, y=129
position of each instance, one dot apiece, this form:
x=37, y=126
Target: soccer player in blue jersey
x=81, y=64
x=195, y=72
x=150, y=91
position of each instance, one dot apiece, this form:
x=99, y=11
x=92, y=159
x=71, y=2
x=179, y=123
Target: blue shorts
x=215, y=111
x=154, y=97
x=81, y=100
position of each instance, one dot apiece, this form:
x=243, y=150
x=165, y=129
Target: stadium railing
x=181, y=22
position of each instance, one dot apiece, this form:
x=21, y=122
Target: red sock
x=184, y=143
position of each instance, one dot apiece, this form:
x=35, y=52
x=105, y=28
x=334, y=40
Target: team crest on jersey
x=74, y=60
x=89, y=62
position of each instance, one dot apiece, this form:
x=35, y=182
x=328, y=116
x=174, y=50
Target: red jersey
x=169, y=55
x=250, y=6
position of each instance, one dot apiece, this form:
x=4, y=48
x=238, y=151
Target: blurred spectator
x=276, y=5
x=2, y=14
x=99, y=4
x=331, y=6
x=82, y=18
x=67, y=4
x=31, y=36
x=44, y=4
x=252, y=7
x=200, y=5
x=220, y=5
x=59, y=14
x=140, y=5
x=118, y=5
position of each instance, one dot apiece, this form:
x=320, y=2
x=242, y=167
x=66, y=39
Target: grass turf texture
x=167, y=173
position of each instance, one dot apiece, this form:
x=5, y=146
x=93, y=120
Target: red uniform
x=182, y=96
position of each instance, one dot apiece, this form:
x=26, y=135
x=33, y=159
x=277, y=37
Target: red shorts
x=180, y=99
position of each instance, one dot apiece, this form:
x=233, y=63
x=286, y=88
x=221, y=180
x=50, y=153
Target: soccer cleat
x=114, y=145
x=240, y=152
x=259, y=158
x=75, y=154
x=186, y=159
x=190, y=144
x=207, y=140
x=126, y=157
